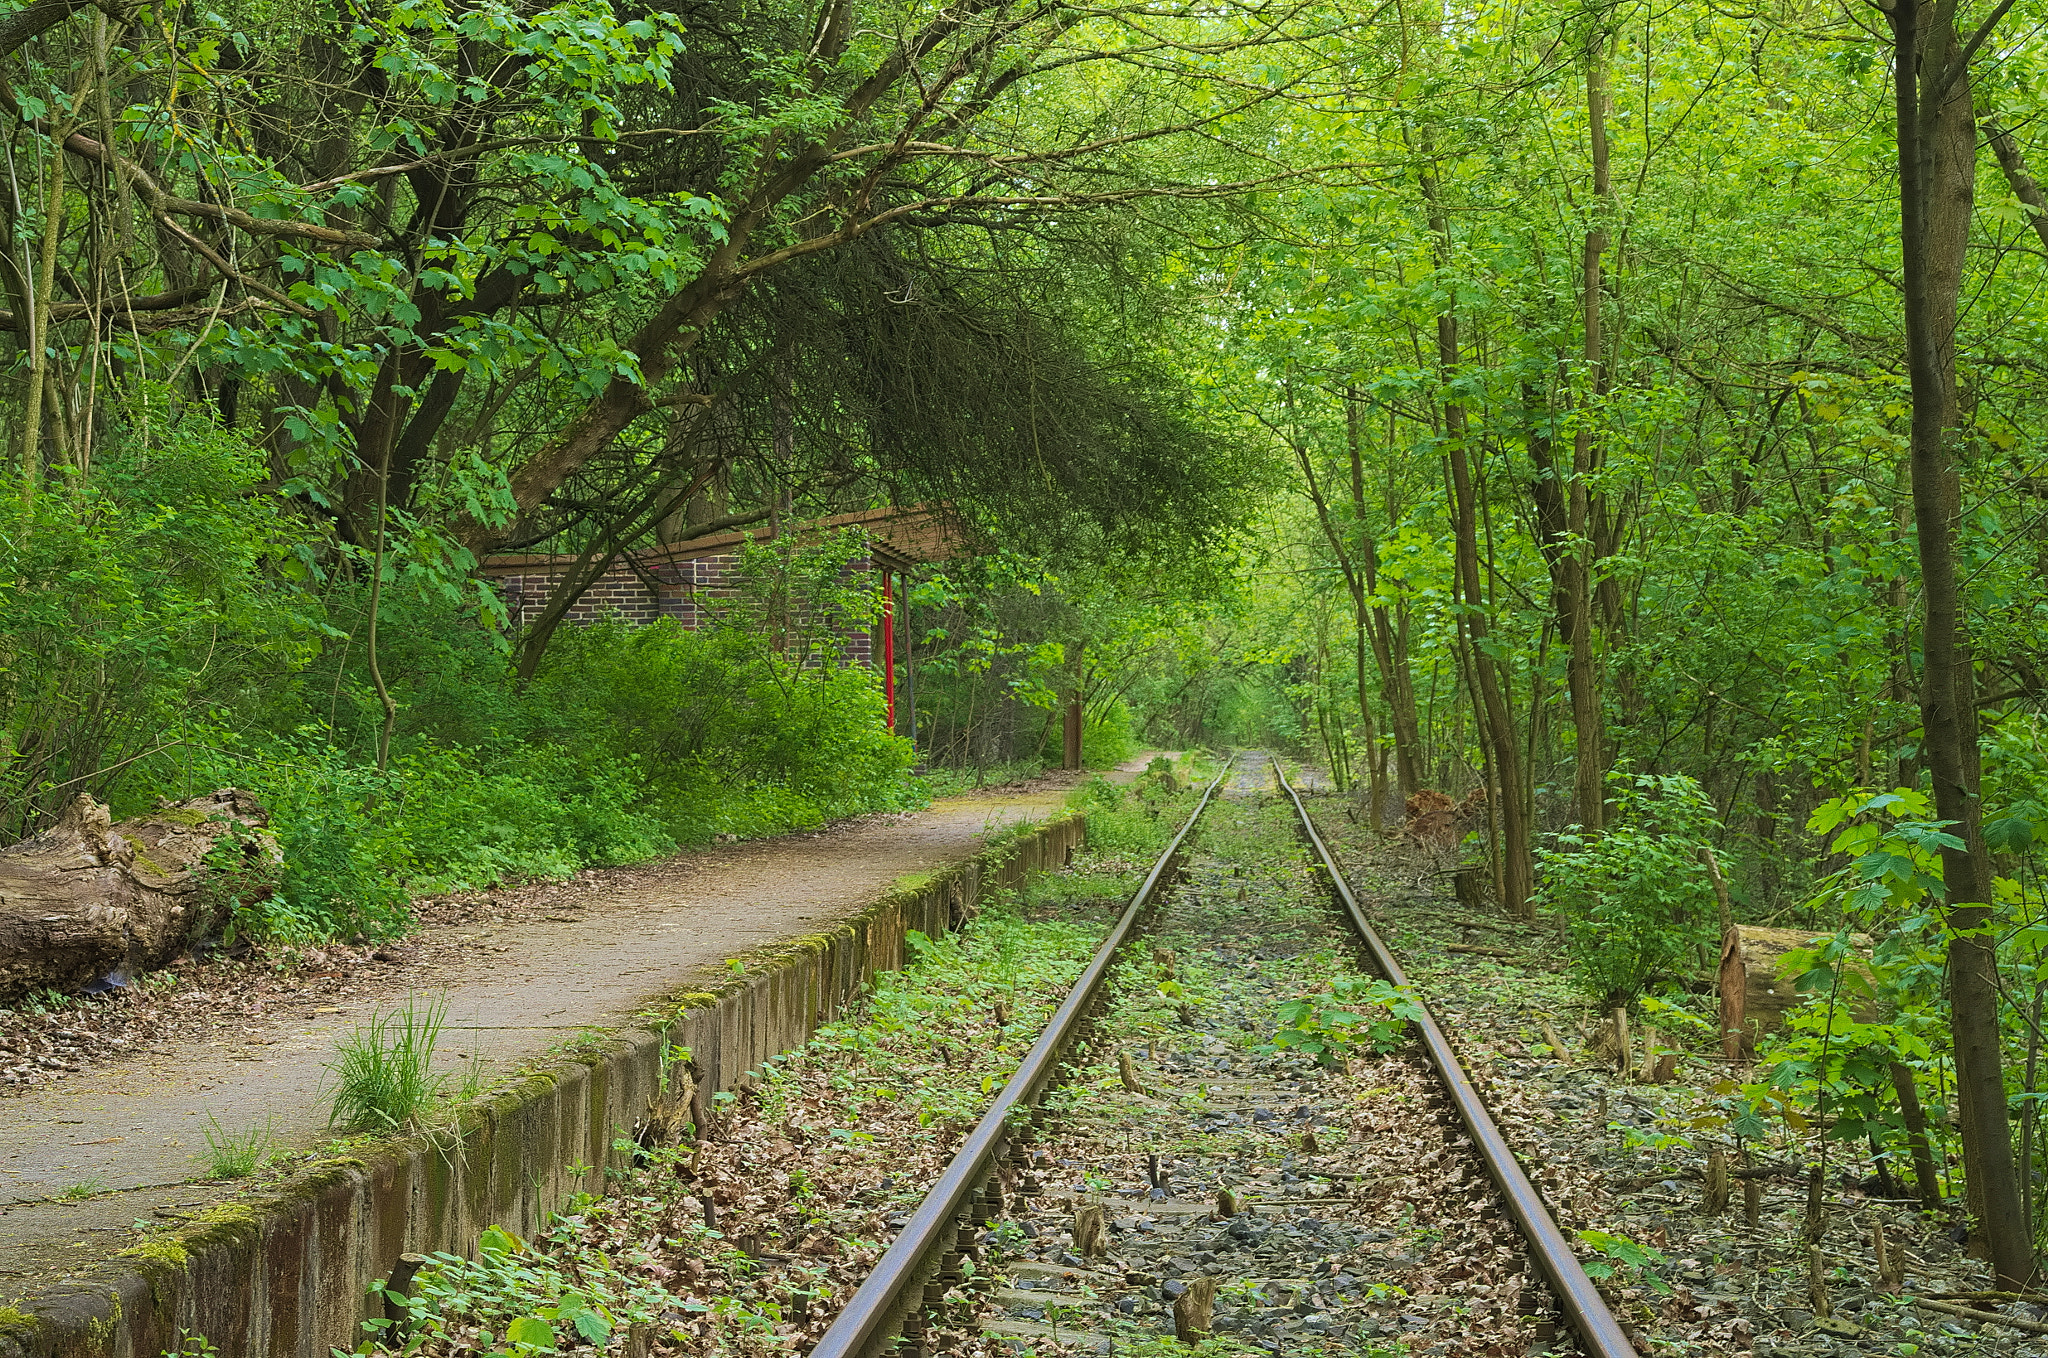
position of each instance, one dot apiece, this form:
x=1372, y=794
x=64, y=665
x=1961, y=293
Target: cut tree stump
x=90, y=902
x=1754, y=993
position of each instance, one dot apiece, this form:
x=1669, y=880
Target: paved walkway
x=133, y=1132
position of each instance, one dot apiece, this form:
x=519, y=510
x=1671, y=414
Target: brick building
x=685, y=580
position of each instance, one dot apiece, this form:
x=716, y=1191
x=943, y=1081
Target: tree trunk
x=90, y=902
x=1516, y=865
x=1516, y=862
x=1074, y=724
x=1389, y=637
x=1589, y=763
x=1388, y=642
x=1937, y=173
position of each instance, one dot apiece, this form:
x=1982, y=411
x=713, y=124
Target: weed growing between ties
x=384, y=1070
x=1230, y=1160
x=747, y=1239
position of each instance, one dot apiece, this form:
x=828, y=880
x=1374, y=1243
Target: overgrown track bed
x=1244, y=1152
x=1203, y=1177
x=745, y=1235
x=1623, y=1161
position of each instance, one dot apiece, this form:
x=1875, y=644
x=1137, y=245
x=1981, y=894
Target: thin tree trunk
x=2024, y=187
x=1589, y=769
x=1389, y=647
x=39, y=324
x=1937, y=165
x=1516, y=866
x=376, y=601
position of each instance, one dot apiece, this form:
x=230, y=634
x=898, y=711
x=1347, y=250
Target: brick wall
x=686, y=590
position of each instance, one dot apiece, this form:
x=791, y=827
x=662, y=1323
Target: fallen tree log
x=1756, y=990
x=89, y=902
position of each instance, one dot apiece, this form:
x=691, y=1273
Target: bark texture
x=89, y=900
x=1937, y=138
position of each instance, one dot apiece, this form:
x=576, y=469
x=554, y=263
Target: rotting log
x=89, y=901
x=1755, y=991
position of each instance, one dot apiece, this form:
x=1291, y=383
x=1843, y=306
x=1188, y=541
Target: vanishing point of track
x=925, y=1260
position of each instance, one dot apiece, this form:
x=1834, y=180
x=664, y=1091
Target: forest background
x=1628, y=413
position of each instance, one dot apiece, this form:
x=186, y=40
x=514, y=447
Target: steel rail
x=1580, y=1301
x=936, y=1225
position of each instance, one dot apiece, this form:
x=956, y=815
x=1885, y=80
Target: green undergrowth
x=1139, y=818
x=624, y=743
x=1250, y=933
x=952, y=782
x=628, y=744
x=737, y=1240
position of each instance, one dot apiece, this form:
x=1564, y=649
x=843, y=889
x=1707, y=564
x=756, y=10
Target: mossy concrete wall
x=287, y=1274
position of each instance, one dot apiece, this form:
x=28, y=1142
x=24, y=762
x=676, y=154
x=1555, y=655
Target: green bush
x=732, y=736
x=628, y=743
x=1635, y=901
x=470, y=819
x=136, y=603
x=1106, y=737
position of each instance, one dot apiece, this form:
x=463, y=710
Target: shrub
x=1634, y=900
x=134, y=602
x=731, y=736
x=629, y=742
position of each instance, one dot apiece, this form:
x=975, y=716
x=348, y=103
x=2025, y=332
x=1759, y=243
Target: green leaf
x=531, y=1332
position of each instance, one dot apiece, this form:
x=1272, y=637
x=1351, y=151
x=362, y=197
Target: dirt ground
x=113, y=1098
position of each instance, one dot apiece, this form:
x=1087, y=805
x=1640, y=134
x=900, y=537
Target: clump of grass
x=83, y=1189
x=237, y=1155
x=384, y=1069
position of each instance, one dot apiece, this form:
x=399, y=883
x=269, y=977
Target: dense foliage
x=1531, y=401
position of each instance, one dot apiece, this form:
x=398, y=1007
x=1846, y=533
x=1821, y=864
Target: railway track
x=1158, y=1167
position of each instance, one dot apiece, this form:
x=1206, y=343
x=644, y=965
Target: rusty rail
x=927, y=1250
x=1580, y=1301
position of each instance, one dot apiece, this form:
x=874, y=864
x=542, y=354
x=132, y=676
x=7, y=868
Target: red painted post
x=889, y=647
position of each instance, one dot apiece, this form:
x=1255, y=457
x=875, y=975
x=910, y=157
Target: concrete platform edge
x=287, y=1274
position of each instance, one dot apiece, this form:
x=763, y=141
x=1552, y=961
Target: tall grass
x=237, y=1155
x=384, y=1069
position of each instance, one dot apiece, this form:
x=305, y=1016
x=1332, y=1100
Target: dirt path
x=83, y=1158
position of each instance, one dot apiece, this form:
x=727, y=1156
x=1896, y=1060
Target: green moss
x=100, y=1330
x=179, y=816
x=161, y=1250
x=221, y=1223
x=226, y=1214
x=333, y=1163
x=14, y=1320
